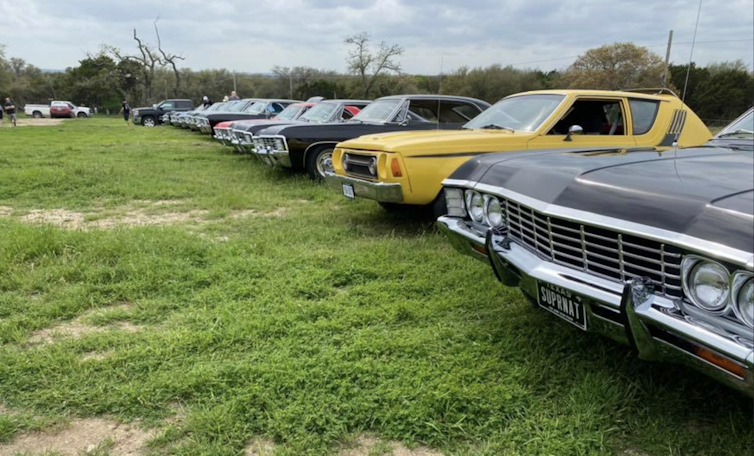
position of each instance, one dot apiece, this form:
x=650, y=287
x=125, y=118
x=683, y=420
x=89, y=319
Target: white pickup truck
x=57, y=109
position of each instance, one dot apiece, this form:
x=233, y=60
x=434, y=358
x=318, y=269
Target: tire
x=148, y=121
x=439, y=206
x=36, y=115
x=81, y=115
x=318, y=161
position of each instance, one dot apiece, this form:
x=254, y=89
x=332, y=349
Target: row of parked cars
x=617, y=211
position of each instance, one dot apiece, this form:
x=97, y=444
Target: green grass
x=306, y=328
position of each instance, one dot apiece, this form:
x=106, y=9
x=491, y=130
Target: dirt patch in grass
x=141, y=213
x=260, y=447
x=82, y=436
x=96, y=356
x=37, y=122
x=78, y=328
x=370, y=446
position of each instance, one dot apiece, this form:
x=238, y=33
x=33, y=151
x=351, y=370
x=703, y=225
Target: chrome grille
x=268, y=143
x=358, y=165
x=599, y=251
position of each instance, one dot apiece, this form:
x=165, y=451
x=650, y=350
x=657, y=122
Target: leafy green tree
x=614, y=67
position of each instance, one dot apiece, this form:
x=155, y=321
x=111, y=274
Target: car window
x=378, y=111
x=595, y=117
x=643, y=114
x=521, y=112
x=167, y=105
x=277, y=107
x=345, y=114
x=321, y=112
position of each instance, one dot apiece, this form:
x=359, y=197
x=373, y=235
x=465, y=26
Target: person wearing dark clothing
x=206, y=101
x=233, y=96
x=1, y=115
x=10, y=109
x=126, y=110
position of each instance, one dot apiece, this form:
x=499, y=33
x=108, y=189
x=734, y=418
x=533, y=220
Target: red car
x=58, y=111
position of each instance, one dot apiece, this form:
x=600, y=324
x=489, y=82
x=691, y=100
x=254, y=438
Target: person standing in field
x=126, y=111
x=10, y=109
x=1, y=116
x=206, y=101
x=233, y=96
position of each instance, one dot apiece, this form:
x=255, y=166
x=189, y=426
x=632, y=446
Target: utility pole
x=290, y=85
x=234, y=81
x=667, y=60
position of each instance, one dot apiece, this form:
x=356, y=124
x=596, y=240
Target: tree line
x=718, y=92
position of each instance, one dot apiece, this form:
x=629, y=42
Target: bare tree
x=169, y=59
x=147, y=60
x=369, y=64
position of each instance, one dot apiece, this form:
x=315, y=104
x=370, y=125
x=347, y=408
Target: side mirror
x=574, y=130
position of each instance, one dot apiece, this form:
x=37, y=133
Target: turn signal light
x=719, y=361
x=395, y=168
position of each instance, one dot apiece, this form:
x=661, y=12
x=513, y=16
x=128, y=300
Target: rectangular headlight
x=280, y=144
x=454, y=202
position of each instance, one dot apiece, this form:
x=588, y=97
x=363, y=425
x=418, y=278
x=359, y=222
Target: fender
x=317, y=144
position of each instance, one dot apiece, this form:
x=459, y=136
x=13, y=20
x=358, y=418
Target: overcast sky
x=253, y=36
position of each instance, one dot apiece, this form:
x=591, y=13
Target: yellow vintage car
x=408, y=168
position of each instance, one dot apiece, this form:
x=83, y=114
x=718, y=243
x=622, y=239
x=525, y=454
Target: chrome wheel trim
x=148, y=122
x=324, y=162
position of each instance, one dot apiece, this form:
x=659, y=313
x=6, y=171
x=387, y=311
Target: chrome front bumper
x=654, y=325
x=274, y=157
x=378, y=191
x=205, y=129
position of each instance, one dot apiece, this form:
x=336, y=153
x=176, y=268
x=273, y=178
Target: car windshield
x=235, y=106
x=742, y=127
x=320, y=113
x=525, y=113
x=290, y=112
x=378, y=111
x=256, y=107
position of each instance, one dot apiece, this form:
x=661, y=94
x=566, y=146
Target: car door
x=602, y=121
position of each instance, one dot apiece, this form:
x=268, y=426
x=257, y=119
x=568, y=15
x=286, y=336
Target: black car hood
x=705, y=192
x=306, y=129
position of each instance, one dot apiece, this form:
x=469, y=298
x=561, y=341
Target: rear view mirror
x=574, y=130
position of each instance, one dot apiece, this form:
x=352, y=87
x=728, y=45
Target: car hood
x=704, y=192
x=429, y=142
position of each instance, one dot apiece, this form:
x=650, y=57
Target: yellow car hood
x=413, y=143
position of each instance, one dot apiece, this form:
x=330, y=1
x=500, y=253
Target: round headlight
x=745, y=303
x=475, y=205
x=373, y=166
x=708, y=285
x=493, y=213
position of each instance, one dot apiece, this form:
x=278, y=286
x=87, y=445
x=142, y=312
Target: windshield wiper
x=496, y=127
x=740, y=131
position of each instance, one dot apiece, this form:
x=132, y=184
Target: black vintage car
x=254, y=109
x=652, y=248
x=241, y=133
x=149, y=117
x=309, y=146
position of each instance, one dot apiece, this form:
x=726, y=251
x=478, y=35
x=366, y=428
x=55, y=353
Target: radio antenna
x=439, y=91
x=685, y=87
x=691, y=54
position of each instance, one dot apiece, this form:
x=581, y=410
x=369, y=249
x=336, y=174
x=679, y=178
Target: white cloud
x=255, y=36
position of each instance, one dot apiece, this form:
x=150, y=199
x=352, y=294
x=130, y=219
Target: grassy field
x=151, y=277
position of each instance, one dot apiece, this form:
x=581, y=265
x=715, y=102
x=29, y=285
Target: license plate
x=563, y=303
x=348, y=191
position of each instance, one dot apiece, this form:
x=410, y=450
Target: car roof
x=345, y=100
x=597, y=93
x=434, y=97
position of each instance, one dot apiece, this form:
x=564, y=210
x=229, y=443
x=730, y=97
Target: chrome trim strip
x=713, y=249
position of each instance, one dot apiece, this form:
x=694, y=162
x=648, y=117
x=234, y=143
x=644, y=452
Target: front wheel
x=37, y=115
x=81, y=115
x=148, y=121
x=318, y=162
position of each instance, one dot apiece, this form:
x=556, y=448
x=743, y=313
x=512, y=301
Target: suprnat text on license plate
x=567, y=305
x=348, y=191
